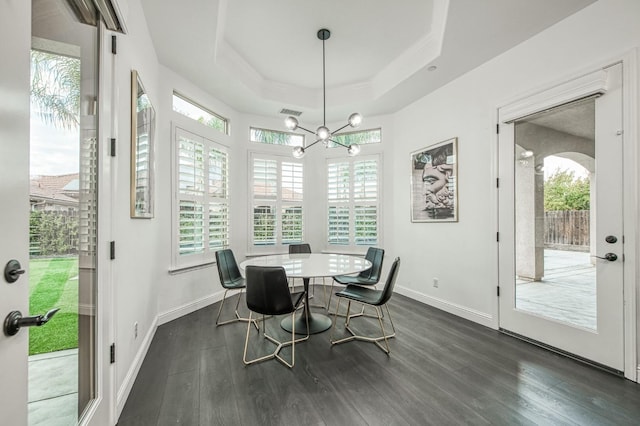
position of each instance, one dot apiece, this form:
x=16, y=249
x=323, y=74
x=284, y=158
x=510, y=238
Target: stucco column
x=529, y=221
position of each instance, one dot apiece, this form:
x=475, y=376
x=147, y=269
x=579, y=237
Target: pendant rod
x=324, y=90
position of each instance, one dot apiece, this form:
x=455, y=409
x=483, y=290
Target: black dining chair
x=268, y=294
x=230, y=279
x=369, y=297
x=369, y=277
x=306, y=248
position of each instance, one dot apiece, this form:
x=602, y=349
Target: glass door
x=561, y=275
x=62, y=213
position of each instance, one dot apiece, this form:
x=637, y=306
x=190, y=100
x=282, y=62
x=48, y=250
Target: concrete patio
x=53, y=388
x=567, y=293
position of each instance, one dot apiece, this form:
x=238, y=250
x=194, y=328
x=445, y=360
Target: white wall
x=183, y=292
x=463, y=255
x=134, y=271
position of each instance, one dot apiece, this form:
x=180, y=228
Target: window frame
x=227, y=124
x=354, y=132
x=252, y=128
x=352, y=203
x=278, y=203
x=204, y=134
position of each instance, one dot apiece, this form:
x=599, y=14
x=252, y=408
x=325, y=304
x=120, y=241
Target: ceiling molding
x=411, y=60
x=417, y=56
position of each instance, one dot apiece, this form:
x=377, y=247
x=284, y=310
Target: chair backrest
x=376, y=257
x=227, y=267
x=268, y=290
x=387, y=291
x=299, y=248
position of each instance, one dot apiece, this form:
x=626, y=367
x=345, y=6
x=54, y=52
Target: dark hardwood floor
x=443, y=370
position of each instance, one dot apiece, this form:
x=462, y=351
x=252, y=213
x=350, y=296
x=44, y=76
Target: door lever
x=14, y=321
x=12, y=271
x=611, y=257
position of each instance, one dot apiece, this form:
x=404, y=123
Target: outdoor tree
x=564, y=191
x=55, y=88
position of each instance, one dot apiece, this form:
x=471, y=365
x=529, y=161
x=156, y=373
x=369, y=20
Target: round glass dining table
x=307, y=266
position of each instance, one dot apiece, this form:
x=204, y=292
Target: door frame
x=102, y=411
x=631, y=183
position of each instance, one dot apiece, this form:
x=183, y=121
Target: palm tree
x=55, y=88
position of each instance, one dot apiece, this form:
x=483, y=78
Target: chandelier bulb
x=353, y=150
x=323, y=133
x=355, y=119
x=298, y=152
x=291, y=123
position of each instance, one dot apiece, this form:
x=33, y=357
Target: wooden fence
x=567, y=229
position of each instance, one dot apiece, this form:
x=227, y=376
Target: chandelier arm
x=338, y=143
x=309, y=146
x=336, y=131
x=306, y=130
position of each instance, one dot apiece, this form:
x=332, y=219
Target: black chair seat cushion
x=354, y=279
x=361, y=294
x=234, y=284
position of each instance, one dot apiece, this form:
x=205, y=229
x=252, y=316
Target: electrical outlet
x=435, y=282
x=135, y=330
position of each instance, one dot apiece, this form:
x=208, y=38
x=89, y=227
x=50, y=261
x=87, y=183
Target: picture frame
x=434, y=182
x=143, y=124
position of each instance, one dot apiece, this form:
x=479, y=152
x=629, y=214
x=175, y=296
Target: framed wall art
x=434, y=183
x=143, y=121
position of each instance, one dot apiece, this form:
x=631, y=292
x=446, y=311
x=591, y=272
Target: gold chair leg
x=375, y=340
x=362, y=313
x=279, y=345
x=238, y=317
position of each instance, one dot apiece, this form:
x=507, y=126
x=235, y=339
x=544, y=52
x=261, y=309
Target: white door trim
x=517, y=107
x=631, y=180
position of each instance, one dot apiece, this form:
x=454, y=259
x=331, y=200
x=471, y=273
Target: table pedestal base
x=317, y=323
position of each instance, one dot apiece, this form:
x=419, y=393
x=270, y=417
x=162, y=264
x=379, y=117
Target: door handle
x=14, y=321
x=611, y=257
x=12, y=271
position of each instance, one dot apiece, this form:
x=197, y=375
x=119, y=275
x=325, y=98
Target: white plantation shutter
x=365, y=195
x=338, y=181
x=202, y=198
x=291, y=181
x=353, y=201
x=339, y=225
x=191, y=227
x=292, y=195
x=218, y=199
x=265, y=179
x=277, y=200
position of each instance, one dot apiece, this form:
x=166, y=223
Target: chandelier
x=323, y=134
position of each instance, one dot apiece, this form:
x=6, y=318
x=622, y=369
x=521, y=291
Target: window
x=200, y=114
x=201, y=203
x=353, y=201
x=277, y=200
x=361, y=137
x=274, y=137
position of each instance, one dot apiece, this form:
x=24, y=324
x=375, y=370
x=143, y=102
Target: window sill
x=184, y=269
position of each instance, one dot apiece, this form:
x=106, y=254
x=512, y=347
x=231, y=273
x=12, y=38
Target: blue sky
x=53, y=151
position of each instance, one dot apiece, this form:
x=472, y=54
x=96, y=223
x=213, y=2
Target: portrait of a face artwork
x=434, y=188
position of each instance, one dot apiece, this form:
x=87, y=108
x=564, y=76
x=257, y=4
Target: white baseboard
x=472, y=315
x=130, y=378
x=188, y=308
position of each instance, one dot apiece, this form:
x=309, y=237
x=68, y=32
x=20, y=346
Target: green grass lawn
x=53, y=283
